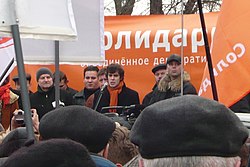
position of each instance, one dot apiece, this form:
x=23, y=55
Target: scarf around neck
x=114, y=92
x=5, y=94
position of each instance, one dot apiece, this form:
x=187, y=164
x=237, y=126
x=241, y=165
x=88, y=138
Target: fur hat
x=79, y=123
x=51, y=153
x=42, y=71
x=188, y=125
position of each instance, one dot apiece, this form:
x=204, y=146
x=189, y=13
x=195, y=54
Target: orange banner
x=230, y=54
x=139, y=43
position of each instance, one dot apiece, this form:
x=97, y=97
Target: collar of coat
x=174, y=85
x=39, y=89
x=13, y=98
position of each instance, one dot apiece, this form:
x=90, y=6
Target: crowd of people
x=173, y=127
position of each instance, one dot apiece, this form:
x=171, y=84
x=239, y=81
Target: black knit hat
x=188, y=126
x=174, y=57
x=159, y=67
x=79, y=123
x=42, y=71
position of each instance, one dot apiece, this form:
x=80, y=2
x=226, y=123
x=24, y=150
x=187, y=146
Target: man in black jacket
x=116, y=93
x=63, y=84
x=91, y=85
x=159, y=72
x=170, y=86
x=43, y=100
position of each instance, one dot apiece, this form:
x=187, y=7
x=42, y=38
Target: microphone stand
x=100, y=96
x=123, y=118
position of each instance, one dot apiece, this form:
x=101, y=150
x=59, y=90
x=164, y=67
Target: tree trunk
x=190, y=7
x=124, y=7
x=156, y=7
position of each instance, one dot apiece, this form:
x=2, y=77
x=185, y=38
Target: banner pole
x=23, y=81
x=182, y=47
x=57, y=77
x=208, y=55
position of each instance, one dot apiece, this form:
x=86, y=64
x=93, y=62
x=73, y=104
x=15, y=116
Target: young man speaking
x=116, y=93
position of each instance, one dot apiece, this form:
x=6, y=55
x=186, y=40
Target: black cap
x=51, y=153
x=188, y=125
x=174, y=57
x=13, y=141
x=159, y=67
x=16, y=78
x=78, y=123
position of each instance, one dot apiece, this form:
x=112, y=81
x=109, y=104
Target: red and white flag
x=7, y=57
x=230, y=54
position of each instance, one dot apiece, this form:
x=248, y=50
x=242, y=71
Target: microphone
x=113, y=107
x=100, y=95
x=134, y=106
x=134, y=110
x=104, y=86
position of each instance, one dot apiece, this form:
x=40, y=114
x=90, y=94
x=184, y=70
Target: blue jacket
x=102, y=162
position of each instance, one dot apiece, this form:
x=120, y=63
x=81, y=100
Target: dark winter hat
x=188, y=125
x=79, y=123
x=174, y=57
x=42, y=71
x=16, y=78
x=51, y=153
x=13, y=141
x=159, y=67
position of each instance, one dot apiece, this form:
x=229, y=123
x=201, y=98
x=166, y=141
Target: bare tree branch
x=125, y=7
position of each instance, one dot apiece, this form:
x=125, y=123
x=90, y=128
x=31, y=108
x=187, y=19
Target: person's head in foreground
x=79, y=123
x=14, y=140
x=189, y=131
x=51, y=153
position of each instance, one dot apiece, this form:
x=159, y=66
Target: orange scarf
x=114, y=92
x=5, y=94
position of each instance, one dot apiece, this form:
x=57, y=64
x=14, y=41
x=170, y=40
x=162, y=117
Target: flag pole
x=182, y=47
x=21, y=71
x=6, y=70
x=57, y=75
x=208, y=55
x=23, y=81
